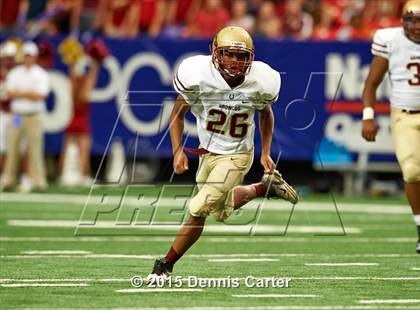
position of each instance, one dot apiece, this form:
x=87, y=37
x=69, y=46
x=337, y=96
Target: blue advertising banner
x=322, y=84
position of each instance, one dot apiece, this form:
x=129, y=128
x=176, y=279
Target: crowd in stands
x=274, y=19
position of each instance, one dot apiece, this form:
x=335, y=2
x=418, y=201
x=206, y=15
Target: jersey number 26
x=237, y=128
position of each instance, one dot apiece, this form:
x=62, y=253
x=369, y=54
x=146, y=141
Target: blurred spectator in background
x=8, y=52
x=83, y=73
x=9, y=11
x=357, y=29
x=296, y=23
x=240, y=16
x=211, y=17
x=326, y=22
x=382, y=14
x=151, y=16
x=118, y=18
x=268, y=23
x=27, y=86
x=50, y=17
x=64, y=17
x=88, y=13
x=180, y=13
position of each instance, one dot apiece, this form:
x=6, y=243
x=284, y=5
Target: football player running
x=223, y=91
x=397, y=50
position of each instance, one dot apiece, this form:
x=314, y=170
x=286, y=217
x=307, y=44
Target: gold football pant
x=405, y=129
x=216, y=177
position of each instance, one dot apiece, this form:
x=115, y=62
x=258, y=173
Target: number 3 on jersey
x=237, y=129
x=416, y=79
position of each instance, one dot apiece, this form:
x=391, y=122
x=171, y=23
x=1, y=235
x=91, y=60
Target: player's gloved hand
x=369, y=129
x=180, y=162
x=267, y=163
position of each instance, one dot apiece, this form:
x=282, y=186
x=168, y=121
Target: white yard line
x=185, y=279
x=158, y=290
x=208, y=228
x=56, y=252
x=278, y=307
x=390, y=301
x=230, y=260
x=81, y=200
x=237, y=239
x=415, y=269
x=275, y=295
x=43, y=284
x=213, y=257
x=341, y=264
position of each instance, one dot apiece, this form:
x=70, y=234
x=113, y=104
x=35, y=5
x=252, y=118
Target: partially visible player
x=8, y=52
x=223, y=91
x=397, y=50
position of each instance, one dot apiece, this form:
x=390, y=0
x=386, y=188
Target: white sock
x=417, y=219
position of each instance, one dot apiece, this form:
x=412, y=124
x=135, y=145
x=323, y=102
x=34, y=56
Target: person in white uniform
x=27, y=86
x=223, y=91
x=397, y=50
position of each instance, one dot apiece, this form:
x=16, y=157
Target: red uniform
x=80, y=123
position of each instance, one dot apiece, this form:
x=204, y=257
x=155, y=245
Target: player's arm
x=31, y=95
x=176, y=128
x=266, y=118
x=378, y=69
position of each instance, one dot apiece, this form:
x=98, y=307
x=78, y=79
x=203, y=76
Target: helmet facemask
x=411, y=20
x=233, y=61
x=411, y=30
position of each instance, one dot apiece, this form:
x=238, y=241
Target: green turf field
x=361, y=257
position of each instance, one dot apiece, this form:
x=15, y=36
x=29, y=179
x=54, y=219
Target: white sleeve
x=186, y=82
x=380, y=44
x=10, y=84
x=43, y=88
x=270, y=91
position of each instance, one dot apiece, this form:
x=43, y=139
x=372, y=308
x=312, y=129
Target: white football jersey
x=225, y=115
x=403, y=65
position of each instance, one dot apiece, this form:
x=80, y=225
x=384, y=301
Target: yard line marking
x=415, y=268
x=360, y=278
x=81, y=200
x=240, y=278
x=228, y=260
x=44, y=284
x=341, y=264
x=243, y=239
x=390, y=301
x=213, y=256
x=54, y=252
x=275, y=295
x=158, y=290
x=207, y=228
x=278, y=307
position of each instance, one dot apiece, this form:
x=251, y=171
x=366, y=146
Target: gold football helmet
x=233, y=52
x=411, y=19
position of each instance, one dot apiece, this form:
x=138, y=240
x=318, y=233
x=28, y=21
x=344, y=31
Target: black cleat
x=277, y=187
x=418, y=247
x=161, y=270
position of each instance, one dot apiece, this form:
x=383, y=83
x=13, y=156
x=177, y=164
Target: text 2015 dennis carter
x=225, y=282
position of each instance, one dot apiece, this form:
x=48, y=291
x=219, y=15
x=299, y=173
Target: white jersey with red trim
x=225, y=115
x=403, y=65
